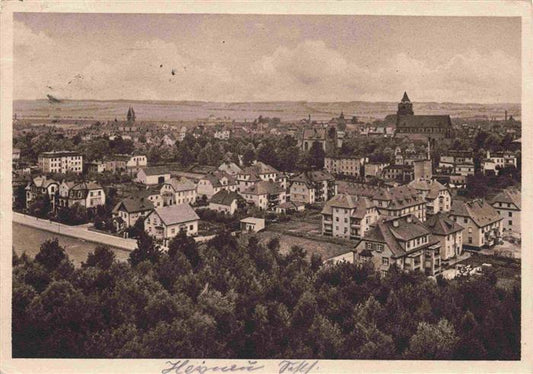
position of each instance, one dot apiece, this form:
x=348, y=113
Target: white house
x=165, y=223
x=153, y=175
x=225, y=201
x=252, y=224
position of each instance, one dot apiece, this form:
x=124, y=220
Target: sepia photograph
x=265, y=186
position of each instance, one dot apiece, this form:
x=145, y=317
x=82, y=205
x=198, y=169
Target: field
x=285, y=110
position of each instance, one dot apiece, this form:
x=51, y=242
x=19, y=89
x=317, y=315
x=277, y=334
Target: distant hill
x=286, y=110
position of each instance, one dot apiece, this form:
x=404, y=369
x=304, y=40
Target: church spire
x=405, y=98
x=405, y=107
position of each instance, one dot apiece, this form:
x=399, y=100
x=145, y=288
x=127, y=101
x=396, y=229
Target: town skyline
x=263, y=58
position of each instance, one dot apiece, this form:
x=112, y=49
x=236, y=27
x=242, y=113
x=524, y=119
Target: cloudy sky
x=267, y=58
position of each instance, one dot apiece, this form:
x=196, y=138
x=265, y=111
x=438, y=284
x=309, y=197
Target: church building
x=421, y=127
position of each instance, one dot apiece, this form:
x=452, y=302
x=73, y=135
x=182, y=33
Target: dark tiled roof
x=424, y=121
x=481, y=212
x=263, y=188
x=224, y=197
x=156, y=170
x=132, y=205
x=509, y=196
x=441, y=224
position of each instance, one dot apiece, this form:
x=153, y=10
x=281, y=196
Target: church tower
x=405, y=107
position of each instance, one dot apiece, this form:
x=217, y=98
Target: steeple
x=405, y=107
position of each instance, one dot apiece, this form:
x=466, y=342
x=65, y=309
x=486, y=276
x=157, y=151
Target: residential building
x=87, y=194
x=135, y=163
x=129, y=210
x=374, y=169
x=230, y=167
x=39, y=186
x=214, y=182
x=61, y=162
x=95, y=167
x=345, y=165
x=265, y=195
x=497, y=161
x=255, y=173
x=153, y=175
x=327, y=138
x=252, y=224
x=179, y=190
x=482, y=223
x=225, y=201
x=153, y=194
x=312, y=186
x=401, y=241
x=348, y=217
x=182, y=133
x=401, y=173
x=167, y=222
x=457, y=162
x=508, y=204
x=437, y=196
x=222, y=134
x=449, y=234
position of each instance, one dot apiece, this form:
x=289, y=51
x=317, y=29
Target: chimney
x=488, y=154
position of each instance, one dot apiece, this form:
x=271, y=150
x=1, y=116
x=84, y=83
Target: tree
x=317, y=155
x=41, y=206
x=182, y=243
x=146, y=250
x=51, y=254
x=433, y=342
x=248, y=157
x=102, y=257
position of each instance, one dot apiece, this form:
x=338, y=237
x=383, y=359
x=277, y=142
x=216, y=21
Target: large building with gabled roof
x=421, y=127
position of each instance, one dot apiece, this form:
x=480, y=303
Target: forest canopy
x=239, y=298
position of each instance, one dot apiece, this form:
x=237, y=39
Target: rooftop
x=174, y=214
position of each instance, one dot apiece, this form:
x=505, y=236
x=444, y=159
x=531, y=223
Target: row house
x=401, y=241
x=214, y=182
x=39, y=186
x=508, y=204
x=265, y=195
x=312, y=186
x=345, y=165
x=401, y=173
x=457, y=162
x=349, y=217
x=482, y=223
x=61, y=162
x=165, y=223
x=493, y=163
x=390, y=201
x=87, y=194
x=449, y=234
x=179, y=190
x=129, y=210
x=437, y=196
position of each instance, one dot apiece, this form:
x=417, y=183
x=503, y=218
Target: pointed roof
x=441, y=224
x=405, y=97
x=175, y=214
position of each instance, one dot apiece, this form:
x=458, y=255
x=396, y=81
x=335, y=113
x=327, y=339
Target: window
x=510, y=214
x=465, y=220
x=385, y=260
x=469, y=240
x=470, y=230
x=510, y=223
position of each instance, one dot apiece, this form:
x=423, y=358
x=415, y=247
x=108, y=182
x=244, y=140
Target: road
x=80, y=232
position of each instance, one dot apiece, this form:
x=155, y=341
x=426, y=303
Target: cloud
x=308, y=70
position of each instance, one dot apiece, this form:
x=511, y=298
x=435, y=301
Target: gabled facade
x=129, y=210
x=313, y=186
x=348, y=217
x=165, y=223
x=482, y=223
x=179, y=190
x=508, y=204
x=87, y=194
x=404, y=242
x=265, y=195
x=225, y=201
x=214, y=182
x=438, y=197
x=449, y=234
x=153, y=175
x=39, y=186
